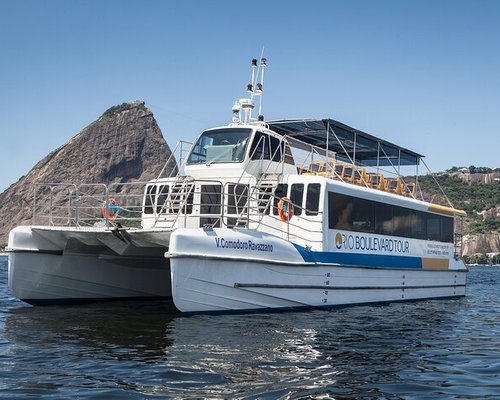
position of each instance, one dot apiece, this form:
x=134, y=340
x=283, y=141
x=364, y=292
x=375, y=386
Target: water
x=429, y=349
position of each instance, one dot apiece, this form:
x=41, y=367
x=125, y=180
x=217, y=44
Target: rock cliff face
x=484, y=179
x=481, y=243
x=124, y=145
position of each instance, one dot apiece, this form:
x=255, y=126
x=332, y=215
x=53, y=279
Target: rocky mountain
x=124, y=145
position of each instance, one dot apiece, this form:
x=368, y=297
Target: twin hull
x=205, y=271
x=229, y=269
x=62, y=265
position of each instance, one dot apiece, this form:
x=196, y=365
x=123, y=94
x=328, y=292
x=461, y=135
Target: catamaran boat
x=261, y=215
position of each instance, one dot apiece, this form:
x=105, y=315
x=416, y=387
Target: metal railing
x=85, y=205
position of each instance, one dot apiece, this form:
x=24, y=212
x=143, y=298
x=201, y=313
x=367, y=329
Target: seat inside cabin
x=376, y=181
x=393, y=185
x=409, y=189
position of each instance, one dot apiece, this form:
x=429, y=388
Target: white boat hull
x=67, y=270
x=206, y=281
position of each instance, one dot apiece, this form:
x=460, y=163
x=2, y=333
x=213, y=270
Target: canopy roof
x=361, y=147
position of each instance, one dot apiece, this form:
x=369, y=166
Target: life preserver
x=285, y=209
x=111, y=209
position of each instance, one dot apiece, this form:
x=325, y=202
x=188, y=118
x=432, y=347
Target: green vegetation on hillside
x=484, y=225
x=474, y=170
x=482, y=259
x=122, y=107
x=472, y=198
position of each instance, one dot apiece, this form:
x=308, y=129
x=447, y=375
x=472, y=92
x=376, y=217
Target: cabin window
x=281, y=191
x=340, y=211
x=419, y=225
x=220, y=146
x=263, y=198
x=260, y=147
x=237, y=198
x=181, y=195
x=312, y=199
x=150, y=199
x=161, y=200
x=384, y=219
x=433, y=227
x=447, y=229
x=210, y=199
x=296, y=197
x=361, y=215
x=402, y=221
x=188, y=207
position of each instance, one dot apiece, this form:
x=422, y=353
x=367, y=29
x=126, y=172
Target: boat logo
x=338, y=240
x=369, y=243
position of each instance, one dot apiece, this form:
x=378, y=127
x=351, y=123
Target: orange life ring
x=285, y=209
x=111, y=209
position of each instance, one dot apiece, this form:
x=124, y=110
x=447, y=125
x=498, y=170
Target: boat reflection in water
x=124, y=348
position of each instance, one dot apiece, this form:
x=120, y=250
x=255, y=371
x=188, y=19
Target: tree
x=496, y=259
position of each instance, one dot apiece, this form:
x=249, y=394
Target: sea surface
x=447, y=349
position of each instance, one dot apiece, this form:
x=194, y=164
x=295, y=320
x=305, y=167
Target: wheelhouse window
x=276, y=149
x=266, y=147
x=260, y=149
x=220, y=146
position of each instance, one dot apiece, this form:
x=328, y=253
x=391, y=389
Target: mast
x=242, y=108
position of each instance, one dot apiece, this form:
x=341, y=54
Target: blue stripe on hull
x=362, y=260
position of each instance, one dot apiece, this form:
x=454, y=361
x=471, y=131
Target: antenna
x=260, y=86
x=255, y=88
x=254, y=67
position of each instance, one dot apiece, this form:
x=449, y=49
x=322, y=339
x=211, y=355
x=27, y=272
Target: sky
x=422, y=74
